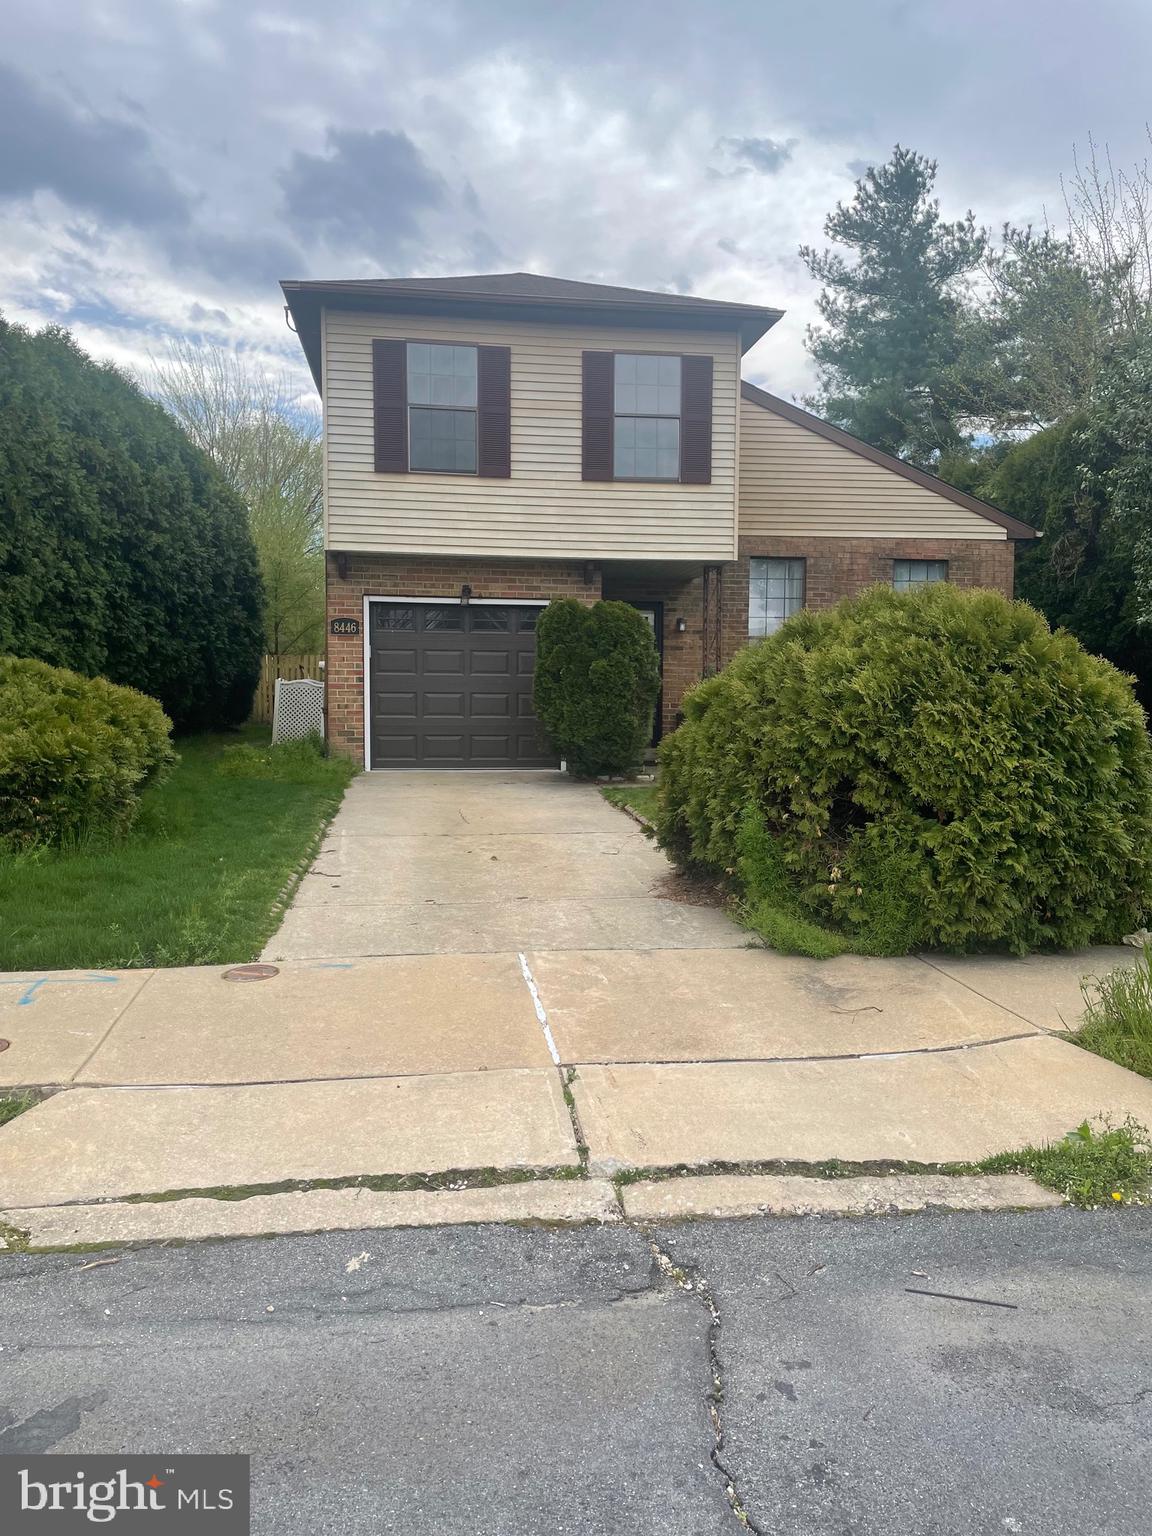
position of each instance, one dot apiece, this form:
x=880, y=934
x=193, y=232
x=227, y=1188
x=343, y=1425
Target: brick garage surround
x=834, y=569
x=421, y=576
x=839, y=568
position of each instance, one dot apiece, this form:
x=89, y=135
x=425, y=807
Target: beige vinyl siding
x=545, y=508
x=795, y=483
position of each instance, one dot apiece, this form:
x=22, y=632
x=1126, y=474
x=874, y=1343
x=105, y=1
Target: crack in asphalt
x=696, y=1285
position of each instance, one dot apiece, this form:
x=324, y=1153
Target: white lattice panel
x=298, y=709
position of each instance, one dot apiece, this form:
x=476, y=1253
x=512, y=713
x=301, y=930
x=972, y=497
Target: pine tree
x=895, y=318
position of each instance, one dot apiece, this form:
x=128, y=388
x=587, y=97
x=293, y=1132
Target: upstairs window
x=907, y=574
x=442, y=401
x=775, y=593
x=646, y=430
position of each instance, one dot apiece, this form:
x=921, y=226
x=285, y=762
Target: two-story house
x=494, y=442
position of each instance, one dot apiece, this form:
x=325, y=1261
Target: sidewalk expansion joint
x=1042, y=1029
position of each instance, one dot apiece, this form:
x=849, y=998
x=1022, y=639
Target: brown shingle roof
x=524, y=295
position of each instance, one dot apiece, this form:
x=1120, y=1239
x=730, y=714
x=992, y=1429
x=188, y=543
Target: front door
x=450, y=686
x=654, y=613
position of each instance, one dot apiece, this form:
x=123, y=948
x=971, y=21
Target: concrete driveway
x=494, y=971
x=475, y=863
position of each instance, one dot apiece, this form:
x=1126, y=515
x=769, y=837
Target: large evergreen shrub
x=122, y=552
x=596, y=685
x=933, y=768
x=75, y=753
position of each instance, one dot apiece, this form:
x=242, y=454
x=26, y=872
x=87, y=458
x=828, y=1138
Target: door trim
x=440, y=602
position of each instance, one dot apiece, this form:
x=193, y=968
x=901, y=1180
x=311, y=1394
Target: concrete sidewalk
x=426, y=1064
x=500, y=971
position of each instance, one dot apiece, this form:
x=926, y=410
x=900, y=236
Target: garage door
x=451, y=686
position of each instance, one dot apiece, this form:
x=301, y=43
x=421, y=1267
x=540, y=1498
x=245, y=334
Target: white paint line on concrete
x=539, y=1007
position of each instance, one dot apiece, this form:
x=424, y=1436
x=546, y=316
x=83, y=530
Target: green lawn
x=639, y=797
x=196, y=882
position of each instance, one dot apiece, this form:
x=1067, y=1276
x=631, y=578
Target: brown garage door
x=451, y=686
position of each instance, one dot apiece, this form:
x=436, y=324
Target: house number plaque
x=345, y=626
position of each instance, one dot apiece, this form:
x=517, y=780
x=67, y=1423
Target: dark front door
x=654, y=613
x=450, y=686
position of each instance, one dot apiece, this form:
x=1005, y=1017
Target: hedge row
x=122, y=552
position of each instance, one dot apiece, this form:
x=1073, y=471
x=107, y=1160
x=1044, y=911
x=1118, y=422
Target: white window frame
x=802, y=562
x=929, y=581
x=678, y=418
x=423, y=405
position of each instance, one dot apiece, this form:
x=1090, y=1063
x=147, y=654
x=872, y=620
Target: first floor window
x=917, y=573
x=442, y=408
x=775, y=592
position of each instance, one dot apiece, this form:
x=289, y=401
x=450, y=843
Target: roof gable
x=801, y=418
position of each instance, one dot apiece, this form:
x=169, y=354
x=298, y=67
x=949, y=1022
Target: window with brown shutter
x=696, y=420
x=597, y=414
x=494, y=412
x=647, y=416
x=390, y=406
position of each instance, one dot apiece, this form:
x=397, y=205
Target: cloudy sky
x=164, y=162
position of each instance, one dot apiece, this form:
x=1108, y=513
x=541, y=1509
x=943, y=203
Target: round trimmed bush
x=75, y=753
x=931, y=768
x=596, y=683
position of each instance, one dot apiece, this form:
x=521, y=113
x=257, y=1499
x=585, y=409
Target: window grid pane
x=917, y=573
x=646, y=448
x=775, y=593
x=442, y=440
x=441, y=375
x=647, y=386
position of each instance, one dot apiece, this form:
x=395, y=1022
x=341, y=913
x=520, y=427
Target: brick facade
x=839, y=568
x=714, y=607
x=352, y=577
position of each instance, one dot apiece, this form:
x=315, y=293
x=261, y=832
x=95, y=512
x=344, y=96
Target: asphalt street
x=505, y=1381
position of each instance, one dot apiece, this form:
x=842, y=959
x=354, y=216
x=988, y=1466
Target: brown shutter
x=696, y=420
x=599, y=414
x=494, y=412
x=390, y=406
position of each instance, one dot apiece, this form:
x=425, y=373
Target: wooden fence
x=273, y=667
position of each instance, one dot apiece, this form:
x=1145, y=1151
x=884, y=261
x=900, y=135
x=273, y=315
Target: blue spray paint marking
x=33, y=985
x=333, y=965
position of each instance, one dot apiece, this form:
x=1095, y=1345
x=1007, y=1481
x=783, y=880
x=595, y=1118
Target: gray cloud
x=187, y=144
x=89, y=161
x=768, y=156
x=369, y=190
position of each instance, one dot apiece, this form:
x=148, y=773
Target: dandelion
x=1116, y=1195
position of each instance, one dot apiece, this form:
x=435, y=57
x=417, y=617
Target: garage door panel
x=444, y=663
x=394, y=749
x=396, y=706
x=401, y=663
x=444, y=749
x=451, y=687
x=491, y=664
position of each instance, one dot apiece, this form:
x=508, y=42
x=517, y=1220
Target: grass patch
x=1108, y=1165
x=1118, y=1016
x=640, y=798
x=791, y=933
x=13, y=1104
x=196, y=881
